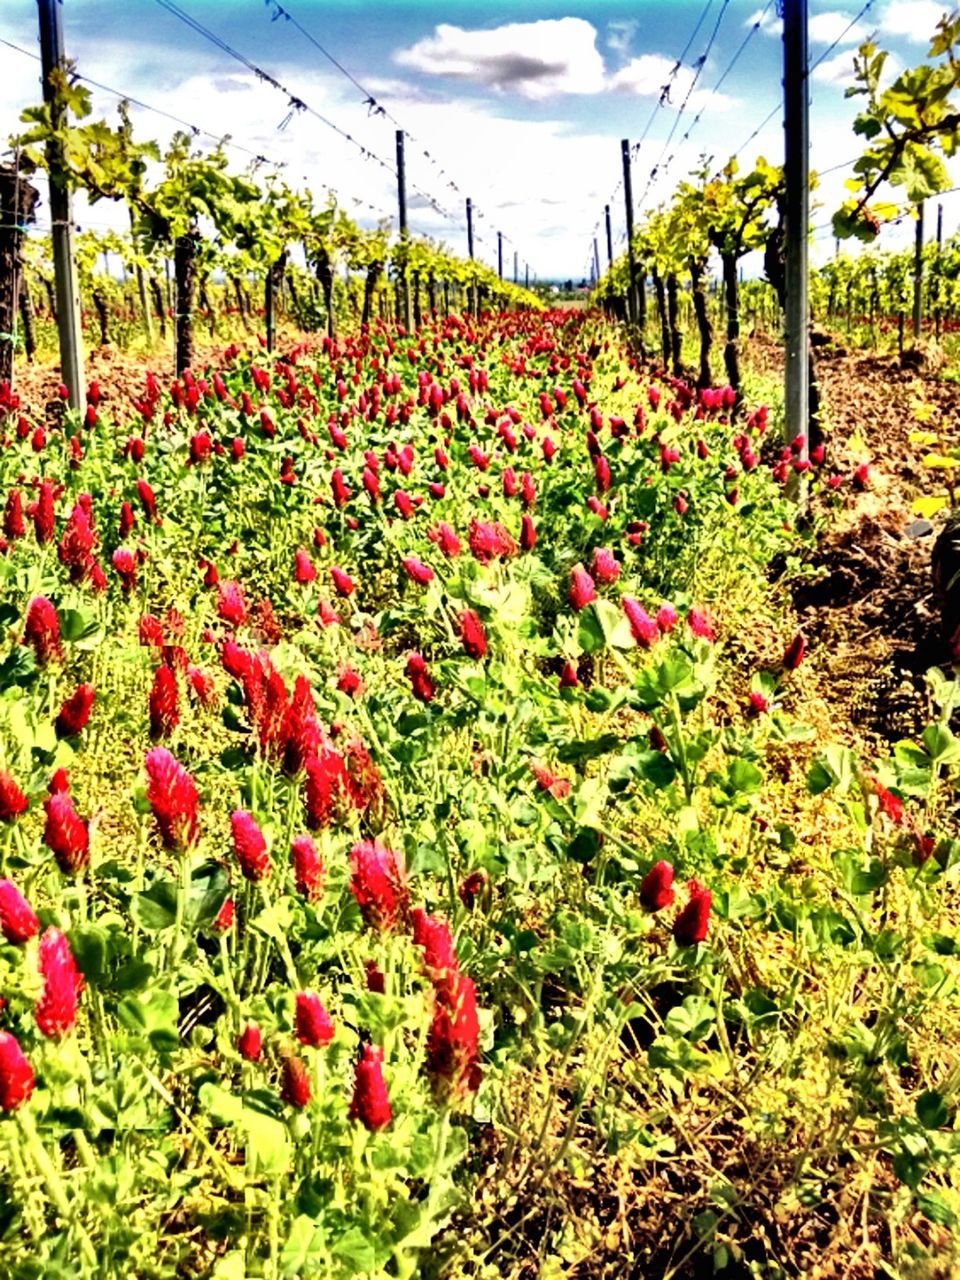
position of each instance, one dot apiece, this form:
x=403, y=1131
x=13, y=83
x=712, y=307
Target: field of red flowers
x=427, y=847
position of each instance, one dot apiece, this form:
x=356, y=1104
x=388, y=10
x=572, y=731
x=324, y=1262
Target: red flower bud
x=304, y=570
x=66, y=833
x=370, y=1103
x=313, y=1024
x=643, y=628
x=420, y=573
x=16, y=1074
x=249, y=846
x=295, y=1087
x=342, y=581
x=471, y=887
x=582, y=588
x=795, y=652
x=56, y=1010
x=472, y=634
x=18, y=923
x=568, y=676
x=13, y=802
x=656, y=888
x=690, y=926
x=225, y=917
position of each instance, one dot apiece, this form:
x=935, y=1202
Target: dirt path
x=120, y=374
x=871, y=614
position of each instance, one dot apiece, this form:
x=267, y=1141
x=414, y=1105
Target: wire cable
x=849, y=27
x=195, y=129
x=700, y=64
x=730, y=65
x=665, y=93
x=295, y=103
x=810, y=69
x=370, y=100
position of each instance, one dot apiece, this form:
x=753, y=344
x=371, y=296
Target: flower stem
x=282, y=943
x=274, y=1220
x=51, y=1177
x=681, y=746
x=230, y=990
x=183, y=893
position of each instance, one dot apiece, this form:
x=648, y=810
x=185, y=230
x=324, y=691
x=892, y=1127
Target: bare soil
x=870, y=613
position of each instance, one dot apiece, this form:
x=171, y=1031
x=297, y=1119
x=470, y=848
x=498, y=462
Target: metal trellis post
x=797, y=219
x=65, y=271
x=402, y=203
x=918, y=275
x=628, y=200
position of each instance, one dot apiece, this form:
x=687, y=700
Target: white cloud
x=620, y=35
x=532, y=59
x=648, y=75
x=912, y=19
x=825, y=28
x=769, y=22
x=835, y=70
x=395, y=93
x=644, y=76
x=838, y=70
x=566, y=62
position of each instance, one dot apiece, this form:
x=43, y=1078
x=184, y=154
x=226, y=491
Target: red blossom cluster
x=453, y=1055
x=338, y=777
x=174, y=799
x=41, y=629
x=56, y=1010
x=65, y=832
x=693, y=920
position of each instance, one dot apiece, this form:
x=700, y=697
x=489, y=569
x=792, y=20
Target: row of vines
x=910, y=127
x=226, y=233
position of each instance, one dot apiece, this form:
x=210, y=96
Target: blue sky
x=520, y=106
